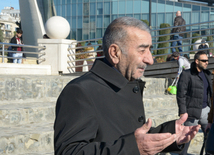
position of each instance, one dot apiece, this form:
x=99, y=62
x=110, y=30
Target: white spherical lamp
x=57, y=27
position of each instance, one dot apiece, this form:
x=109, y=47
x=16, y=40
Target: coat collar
x=194, y=70
x=108, y=73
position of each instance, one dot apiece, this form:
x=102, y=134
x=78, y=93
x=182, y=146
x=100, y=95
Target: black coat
x=190, y=91
x=99, y=112
x=14, y=41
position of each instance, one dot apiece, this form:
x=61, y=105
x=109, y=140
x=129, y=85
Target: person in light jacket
x=183, y=63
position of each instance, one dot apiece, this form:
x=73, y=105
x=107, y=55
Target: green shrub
x=99, y=42
x=164, y=38
x=145, y=21
x=210, y=38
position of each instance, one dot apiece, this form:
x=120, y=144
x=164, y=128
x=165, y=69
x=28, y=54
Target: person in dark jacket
x=194, y=93
x=17, y=39
x=114, y=121
x=178, y=21
x=203, y=46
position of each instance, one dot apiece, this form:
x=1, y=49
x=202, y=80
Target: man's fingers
x=155, y=143
x=161, y=145
x=189, y=133
x=182, y=119
x=156, y=137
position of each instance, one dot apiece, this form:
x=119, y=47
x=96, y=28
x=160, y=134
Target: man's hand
x=150, y=144
x=184, y=133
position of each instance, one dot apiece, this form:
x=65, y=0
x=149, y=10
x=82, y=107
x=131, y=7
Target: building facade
x=89, y=18
x=8, y=19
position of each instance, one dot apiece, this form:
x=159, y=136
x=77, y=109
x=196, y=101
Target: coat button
x=136, y=89
x=141, y=119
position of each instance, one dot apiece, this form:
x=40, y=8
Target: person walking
x=194, y=92
x=17, y=39
x=203, y=46
x=178, y=21
x=102, y=111
x=183, y=63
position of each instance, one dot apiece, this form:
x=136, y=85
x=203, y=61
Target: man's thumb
x=146, y=127
x=182, y=119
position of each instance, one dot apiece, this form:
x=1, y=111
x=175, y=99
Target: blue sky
x=13, y=3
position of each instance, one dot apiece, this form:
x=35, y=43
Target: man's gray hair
x=116, y=32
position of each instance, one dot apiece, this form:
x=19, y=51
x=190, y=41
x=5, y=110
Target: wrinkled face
x=18, y=35
x=137, y=54
x=202, y=62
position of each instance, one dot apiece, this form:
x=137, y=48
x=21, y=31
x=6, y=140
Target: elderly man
x=102, y=111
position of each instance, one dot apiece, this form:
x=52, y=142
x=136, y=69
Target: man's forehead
x=203, y=56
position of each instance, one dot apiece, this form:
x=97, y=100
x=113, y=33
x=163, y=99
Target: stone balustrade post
x=57, y=51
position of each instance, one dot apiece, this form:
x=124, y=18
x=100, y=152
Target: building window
x=73, y=9
x=93, y=9
x=122, y=7
x=106, y=21
x=145, y=6
x=107, y=8
x=114, y=7
x=79, y=9
x=137, y=8
x=86, y=9
x=129, y=7
x=99, y=21
x=99, y=8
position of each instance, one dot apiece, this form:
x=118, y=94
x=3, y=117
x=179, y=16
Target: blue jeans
x=17, y=55
x=179, y=42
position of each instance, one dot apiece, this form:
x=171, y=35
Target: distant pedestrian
x=17, y=39
x=183, y=63
x=178, y=22
x=203, y=46
x=169, y=57
x=100, y=53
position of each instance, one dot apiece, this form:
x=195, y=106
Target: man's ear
x=114, y=53
x=197, y=61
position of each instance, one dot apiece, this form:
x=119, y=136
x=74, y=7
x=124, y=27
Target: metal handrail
x=19, y=45
x=180, y=46
x=182, y=39
x=169, y=34
x=207, y=27
x=89, y=40
x=187, y=25
x=39, y=53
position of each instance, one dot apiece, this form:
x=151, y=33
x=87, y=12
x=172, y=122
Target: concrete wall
x=24, y=69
